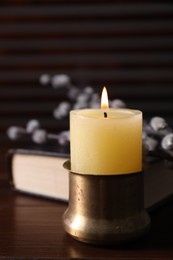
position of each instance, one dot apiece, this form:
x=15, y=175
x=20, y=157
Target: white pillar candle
x=106, y=141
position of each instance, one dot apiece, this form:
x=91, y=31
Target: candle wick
x=105, y=114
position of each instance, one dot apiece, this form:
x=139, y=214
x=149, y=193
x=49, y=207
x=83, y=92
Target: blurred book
x=158, y=184
x=41, y=173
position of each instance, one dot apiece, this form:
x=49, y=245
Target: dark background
x=125, y=45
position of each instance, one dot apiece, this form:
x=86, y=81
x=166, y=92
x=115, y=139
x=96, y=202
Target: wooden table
x=32, y=228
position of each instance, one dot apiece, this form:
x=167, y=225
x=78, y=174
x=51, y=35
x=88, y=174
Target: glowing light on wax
x=106, y=141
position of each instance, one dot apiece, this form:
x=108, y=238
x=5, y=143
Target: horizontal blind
x=125, y=45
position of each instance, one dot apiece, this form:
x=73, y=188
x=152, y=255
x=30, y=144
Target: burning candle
x=106, y=141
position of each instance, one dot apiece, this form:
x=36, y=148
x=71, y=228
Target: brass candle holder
x=105, y=209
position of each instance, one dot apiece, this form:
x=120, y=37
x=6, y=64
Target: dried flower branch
x=157, y=134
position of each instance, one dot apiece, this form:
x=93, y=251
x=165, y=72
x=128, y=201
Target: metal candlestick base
x=105, y=209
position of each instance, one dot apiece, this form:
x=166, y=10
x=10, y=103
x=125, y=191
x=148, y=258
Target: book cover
x=41, y=173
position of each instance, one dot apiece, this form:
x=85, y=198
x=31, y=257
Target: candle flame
x=104, y=99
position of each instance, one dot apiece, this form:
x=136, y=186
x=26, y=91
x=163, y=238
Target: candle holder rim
x=67, y=166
